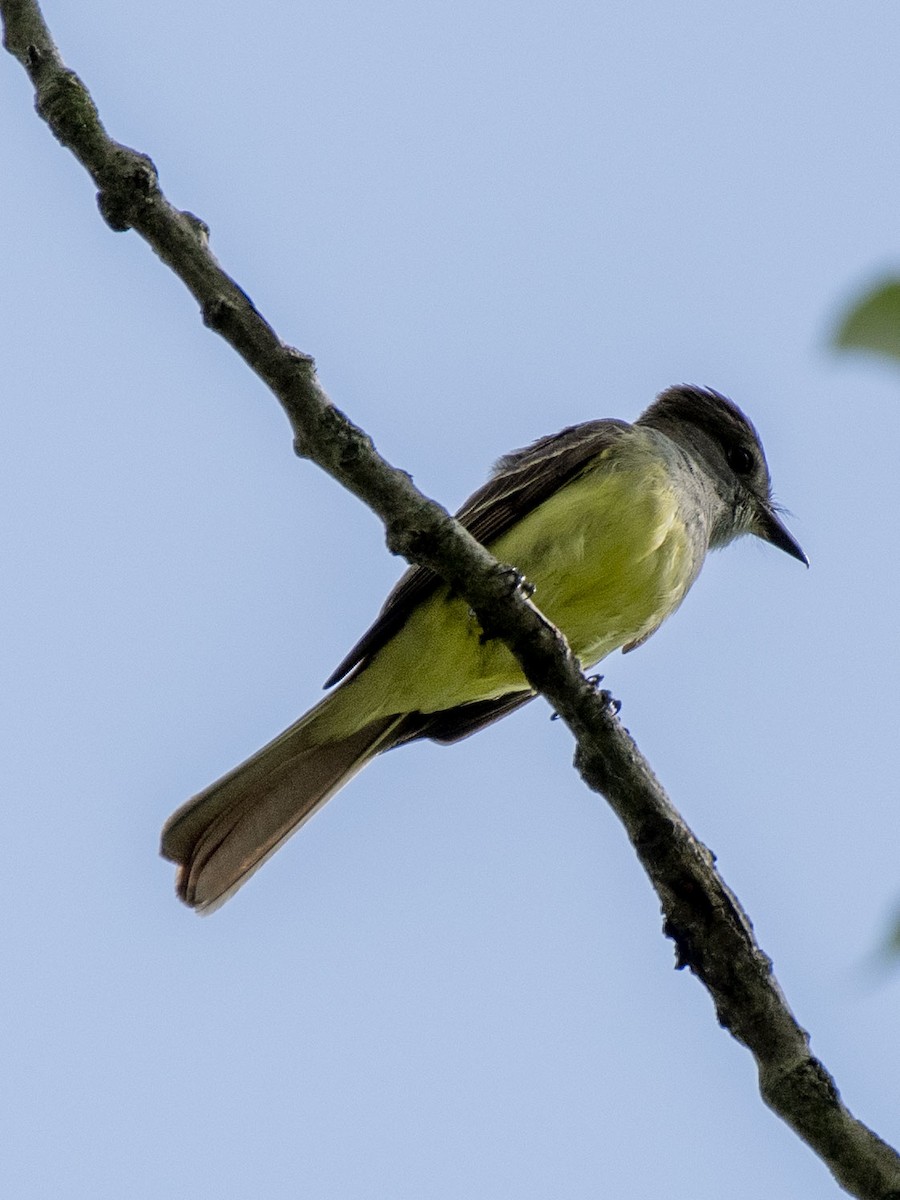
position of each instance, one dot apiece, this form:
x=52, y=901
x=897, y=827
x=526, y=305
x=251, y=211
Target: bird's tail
x=225, y=833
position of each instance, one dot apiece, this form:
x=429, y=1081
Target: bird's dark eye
x=739, y=459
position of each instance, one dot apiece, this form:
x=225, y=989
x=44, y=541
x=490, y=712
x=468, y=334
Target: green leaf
x=873, y=324
x=892, y=942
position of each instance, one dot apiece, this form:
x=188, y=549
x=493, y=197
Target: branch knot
x=131, y=184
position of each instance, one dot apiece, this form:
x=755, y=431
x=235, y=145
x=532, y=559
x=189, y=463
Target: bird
x=609, y=522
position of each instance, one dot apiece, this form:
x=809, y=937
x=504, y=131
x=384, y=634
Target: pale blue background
x=485, y=220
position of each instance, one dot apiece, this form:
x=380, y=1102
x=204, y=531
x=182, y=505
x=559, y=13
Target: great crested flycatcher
x=611, y=522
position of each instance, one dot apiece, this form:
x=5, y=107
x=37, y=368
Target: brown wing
x=454, y=724
x=521, y=481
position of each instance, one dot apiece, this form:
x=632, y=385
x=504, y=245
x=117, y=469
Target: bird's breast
x=611, y=556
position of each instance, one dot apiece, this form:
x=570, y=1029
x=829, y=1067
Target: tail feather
x=225, y=833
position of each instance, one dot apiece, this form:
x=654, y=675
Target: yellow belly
x=610, y=559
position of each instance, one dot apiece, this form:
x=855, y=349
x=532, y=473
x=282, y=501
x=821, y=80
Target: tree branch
x=712, y=934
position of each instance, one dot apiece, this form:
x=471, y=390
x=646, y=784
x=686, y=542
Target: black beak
x=770, y=529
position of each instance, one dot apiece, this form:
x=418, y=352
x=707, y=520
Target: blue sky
x=485, y=221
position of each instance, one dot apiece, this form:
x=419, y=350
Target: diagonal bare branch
x=712, y=934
